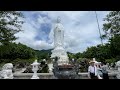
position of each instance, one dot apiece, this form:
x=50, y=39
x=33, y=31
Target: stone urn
x=65, y=71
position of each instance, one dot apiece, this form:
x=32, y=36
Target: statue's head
x=7, y=66
x=118, y=63
x=58, y=19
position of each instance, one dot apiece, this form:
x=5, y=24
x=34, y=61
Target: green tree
x=10, y=24
x=115, y=46
x=90, y=52
x=71, y=55
x=100, y=52
x=112, y=25
x=112, y=32
x=103, y=52
x=13, y=51
x=79, y=55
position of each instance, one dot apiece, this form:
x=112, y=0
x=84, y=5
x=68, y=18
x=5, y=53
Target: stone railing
x=51, y=76
x=6, y=73
x=29, y=75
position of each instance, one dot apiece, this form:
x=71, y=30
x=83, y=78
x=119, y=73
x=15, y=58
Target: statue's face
x=58, y=20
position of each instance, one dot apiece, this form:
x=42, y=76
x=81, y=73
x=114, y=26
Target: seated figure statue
x=6, y=72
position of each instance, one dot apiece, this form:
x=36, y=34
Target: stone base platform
x=51, y=76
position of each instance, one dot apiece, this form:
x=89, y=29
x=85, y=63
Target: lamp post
x=35, y=69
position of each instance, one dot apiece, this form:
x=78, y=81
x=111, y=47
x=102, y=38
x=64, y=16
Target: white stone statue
x=59, y=50
x=35, y=69
x=44, y=60
x=58, y=34
x=50, y=65
x=6, y=72
x=118, y=66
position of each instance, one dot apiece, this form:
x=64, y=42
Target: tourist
x=108, y=65
x=92, y=71
x=104, y=71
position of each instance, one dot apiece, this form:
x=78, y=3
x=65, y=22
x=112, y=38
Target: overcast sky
x=81, y=30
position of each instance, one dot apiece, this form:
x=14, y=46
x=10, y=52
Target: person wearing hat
x=92, y=71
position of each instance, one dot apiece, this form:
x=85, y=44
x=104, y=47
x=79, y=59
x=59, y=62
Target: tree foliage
x=10, y=24
x=43, y=54
x=112, y=25
x=115, y=46
x=14, y=51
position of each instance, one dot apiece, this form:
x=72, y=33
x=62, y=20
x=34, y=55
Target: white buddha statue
x=58, y=34
x=59, y=50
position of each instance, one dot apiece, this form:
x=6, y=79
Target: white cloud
x=81, y=29
x=27, y=37
x=42, y=45
x=42, y=20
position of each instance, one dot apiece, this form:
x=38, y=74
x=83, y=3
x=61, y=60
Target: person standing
x=104, y=71
x=92, y=71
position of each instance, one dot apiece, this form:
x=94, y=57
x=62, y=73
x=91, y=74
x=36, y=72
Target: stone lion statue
x=118, y=64
x=6, y=72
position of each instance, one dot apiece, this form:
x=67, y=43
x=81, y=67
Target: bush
x=28, y=69
x=117, y=58
x=22, y=63
x=43, y=68
x=84, y=64
x=13, y=51
x=1, y=65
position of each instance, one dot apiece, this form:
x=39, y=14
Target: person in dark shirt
x=104, y=71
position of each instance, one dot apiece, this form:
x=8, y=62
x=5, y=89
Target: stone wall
x=51, y=76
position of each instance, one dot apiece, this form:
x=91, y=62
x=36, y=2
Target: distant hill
x=44, y=51
x=43, y=54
